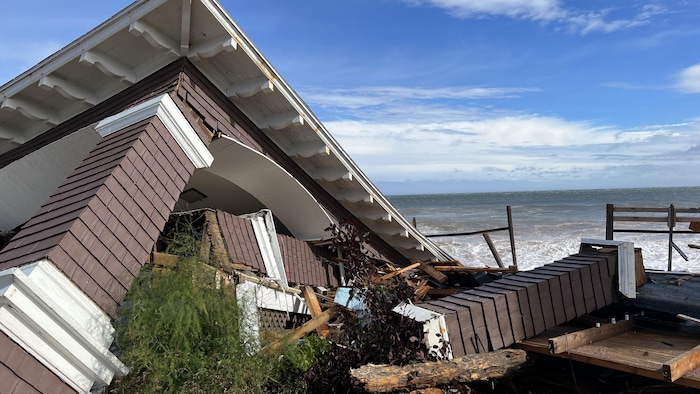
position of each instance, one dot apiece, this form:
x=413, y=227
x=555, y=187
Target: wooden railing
x=487, y=238
x=671, y=216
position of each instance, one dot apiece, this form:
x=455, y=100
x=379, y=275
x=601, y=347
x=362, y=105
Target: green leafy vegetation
x=178, y=332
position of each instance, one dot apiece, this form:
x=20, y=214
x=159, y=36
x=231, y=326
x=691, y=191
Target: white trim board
x=49, y=317
x=625, y=263
x=167, y=111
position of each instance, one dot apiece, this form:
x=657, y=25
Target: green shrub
x=178, y=333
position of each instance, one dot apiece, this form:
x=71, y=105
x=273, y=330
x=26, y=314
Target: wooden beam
x=305, y=329
x=315, y=309
x=473, y=269
x=475, y=367
x=570, y=341
x=432, y=272
x=682, y=364
x=401, y=271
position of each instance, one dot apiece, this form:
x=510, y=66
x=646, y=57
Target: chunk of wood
x=305, y=328
x=681, y=364
x=571, y=341
x=432, y=272
x=315, y=309
x=387, y=378
x=401, y=271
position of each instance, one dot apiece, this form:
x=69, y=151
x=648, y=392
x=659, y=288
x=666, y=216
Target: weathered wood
x=682, y=364
x=450, y=268
x=401, y=271
x=315, y=309
x=570, y=341
x=305, y=328
x=387, y=378
x=493, y=249
x=432, y=272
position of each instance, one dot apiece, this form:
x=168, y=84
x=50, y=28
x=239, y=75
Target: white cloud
x=578, y=20
x=422, y=141
x=378, y=95
x=689, y=79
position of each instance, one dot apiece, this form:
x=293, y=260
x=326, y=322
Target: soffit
x=149, y=34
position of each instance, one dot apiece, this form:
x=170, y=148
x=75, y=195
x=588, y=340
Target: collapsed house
x=166, y=106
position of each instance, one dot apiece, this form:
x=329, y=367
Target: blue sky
x=464, y=95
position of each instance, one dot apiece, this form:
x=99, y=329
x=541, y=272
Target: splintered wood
x=390, y=378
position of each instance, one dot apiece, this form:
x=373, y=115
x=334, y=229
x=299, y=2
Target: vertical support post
x=671, y=225
x=511, y=235
x=609, y=221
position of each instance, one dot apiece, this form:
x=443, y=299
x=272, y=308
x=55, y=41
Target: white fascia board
x=49, y=317
x=627, y=283
x=436, y=337
x=275, y=299
x=266, y=235
x=167, y=111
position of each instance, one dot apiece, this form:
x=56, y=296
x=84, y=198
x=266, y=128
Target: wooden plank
x=501, y=305
x=586, y=283
x=570, y=341
x=315, y=309
x=554, y=291
x=567, y=295
x=534, y=305
x=432, y=272
x=399, y=272
x=473, y=270
x=454, y=329
x=490, y=318
x=594, y=264
x=513, y=306
x=681, y=364
x=476, y=310
x=544, y=297
x=576, y=286
x=523, y=308
x=305, y=328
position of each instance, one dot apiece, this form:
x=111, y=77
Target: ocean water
x=548, y=225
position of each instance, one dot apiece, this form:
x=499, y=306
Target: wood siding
x=302, y=262
x=523, y=305
x=101, y=224
x=219, y=115
x=21, y=373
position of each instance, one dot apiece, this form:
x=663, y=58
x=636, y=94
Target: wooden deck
x=524, y=304
x=657, y=355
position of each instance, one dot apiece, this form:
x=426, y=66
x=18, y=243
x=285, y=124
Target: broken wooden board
x=572, y=340
x=315, y=309
x=637, y=352
x=389, y=378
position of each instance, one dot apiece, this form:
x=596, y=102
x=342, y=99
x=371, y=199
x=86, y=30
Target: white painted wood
x=250, y=88
x=266, y=236
x=281, y=120
x=353, y=195
x=373, y=213
x=308, y=149
x=12, y=135
x=31, y=110
x=185, y=27
x=212, y=47
x=68, y=89
x=27, y=183
x=434, y=329
x=167, y=111
x=48, y=316
x=389, y=228
x=625, y=263
x=246, y=298
x=330, y=174
x=109, y=66
x=154, y=37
